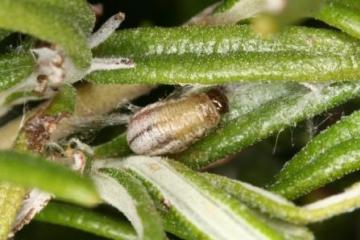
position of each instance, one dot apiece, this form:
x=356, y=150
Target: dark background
x=153, y=12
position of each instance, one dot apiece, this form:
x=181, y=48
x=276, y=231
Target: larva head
x=219, y=99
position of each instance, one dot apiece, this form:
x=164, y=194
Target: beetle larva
x=168, y=127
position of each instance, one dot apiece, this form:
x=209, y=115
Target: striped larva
x=168, y=127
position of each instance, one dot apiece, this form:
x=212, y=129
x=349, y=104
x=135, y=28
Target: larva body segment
x=170, y=126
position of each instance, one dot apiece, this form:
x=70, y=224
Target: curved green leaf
x=343, y=14
x=289, y=231
x=66, y=23
x=338, y=161
x=193, y=209
x=346, y=129
x=123, y=191
x=32, y=171
x=13, y=196
x=278, y=207
x=258, y=198
x=14, y=68
x=264, y=121
x=86, y=220
x=330, y=155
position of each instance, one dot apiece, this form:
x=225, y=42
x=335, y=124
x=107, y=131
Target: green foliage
x=33, y=171
x=128, y=195
x=342, y=14
x=65, y=23
x=199, y=41
x=182, y=197
x=86, y=220
x=268, y=118
x=274, y=78
x=14, y=67
x=234, y=53
x=327, y=157
x=278, y=207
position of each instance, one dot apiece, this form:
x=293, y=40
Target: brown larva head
x=219, y=99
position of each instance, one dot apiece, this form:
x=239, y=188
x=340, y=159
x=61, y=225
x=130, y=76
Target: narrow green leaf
x=193, y=209
x=123, y=191
x=345, y=130
x=32, y=171
x=117, y=147
x=230, y=54
x=86, y=220
x=343, y=14
x=223, y=200
x=199, y=41
x=66, y=23
x=15, y=67
x=289, y=231
x=14, y=197
x=265, y=121
x=217, y=69
x=329, y=165
x=258, y=198
x=278, y=207
x=345, y=202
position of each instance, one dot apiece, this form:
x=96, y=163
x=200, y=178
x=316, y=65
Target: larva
x=168, y=127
